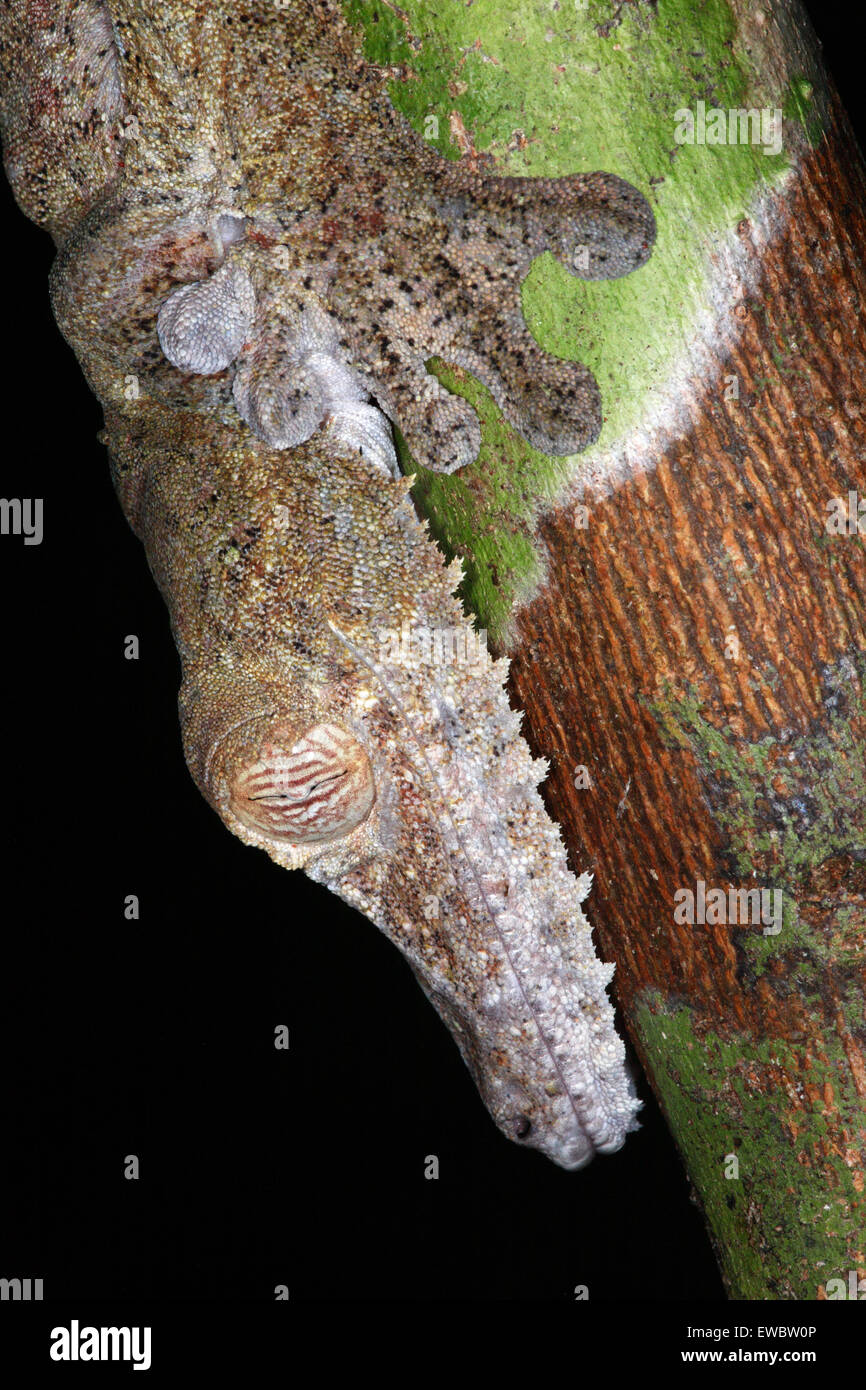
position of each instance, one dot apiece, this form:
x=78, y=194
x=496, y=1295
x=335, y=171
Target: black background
x=155, y=1037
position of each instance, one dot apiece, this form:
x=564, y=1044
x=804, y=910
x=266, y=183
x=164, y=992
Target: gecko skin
x=256, y=256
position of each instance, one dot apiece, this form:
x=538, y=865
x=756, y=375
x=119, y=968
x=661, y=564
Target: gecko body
x=256, y=257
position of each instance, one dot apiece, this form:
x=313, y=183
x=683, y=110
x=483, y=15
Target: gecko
x=256, y=258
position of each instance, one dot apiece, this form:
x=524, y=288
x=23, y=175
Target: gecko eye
x=522, y=1126
x=316, y=789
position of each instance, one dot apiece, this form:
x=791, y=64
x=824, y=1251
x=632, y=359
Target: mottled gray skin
x=274, y=116
x=253, y=249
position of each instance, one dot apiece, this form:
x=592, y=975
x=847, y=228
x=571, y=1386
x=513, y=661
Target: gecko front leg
x=409, y=254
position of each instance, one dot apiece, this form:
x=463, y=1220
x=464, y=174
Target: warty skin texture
x=251, y=236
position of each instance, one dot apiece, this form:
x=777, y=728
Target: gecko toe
x=203, y=326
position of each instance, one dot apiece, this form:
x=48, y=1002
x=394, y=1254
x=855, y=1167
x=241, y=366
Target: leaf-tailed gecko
x=256, y=257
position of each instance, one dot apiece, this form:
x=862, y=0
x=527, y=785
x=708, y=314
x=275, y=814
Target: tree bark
x=684, y=605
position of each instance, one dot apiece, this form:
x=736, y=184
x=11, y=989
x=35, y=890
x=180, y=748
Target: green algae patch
x=545, y=89
x=788, y=805
x=744, y=1109
x=799, y=106
x=480, y=518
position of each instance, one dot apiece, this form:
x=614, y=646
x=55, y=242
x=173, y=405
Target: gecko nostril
x=522, y=1127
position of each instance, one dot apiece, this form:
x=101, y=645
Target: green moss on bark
x=778, y=1233
x=786, y=804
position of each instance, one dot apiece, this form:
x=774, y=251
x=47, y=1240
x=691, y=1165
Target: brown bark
x=743, y=772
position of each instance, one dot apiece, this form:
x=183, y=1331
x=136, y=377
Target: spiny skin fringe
x=243, y=166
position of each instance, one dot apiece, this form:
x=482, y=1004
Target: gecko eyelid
x=313, y=787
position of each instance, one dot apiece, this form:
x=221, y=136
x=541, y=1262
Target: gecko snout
x=306, y=790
